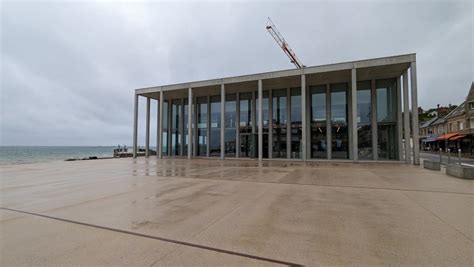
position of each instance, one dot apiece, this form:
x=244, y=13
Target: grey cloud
x=68, y=70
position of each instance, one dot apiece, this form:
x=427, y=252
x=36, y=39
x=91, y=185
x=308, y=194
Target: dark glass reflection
x=185, y=128
x=230, y=125
x=245, y=124
x=215, y=137
x=279, y=98
x=296, y=126
x=339, y=127
x=201, y=126
x=175, y=127
x=364, y=128
x=318, y=121
x=165, y=128
x=387, y=119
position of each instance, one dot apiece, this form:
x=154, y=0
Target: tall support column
x=399, y=119
x=373, y=120
x=353, y=123
x=328, y=122
x=222, y=121
x=158, y=104
x=190, y=122
x=135, y=127
x=303, y=118
x=160, y=130
x=288, y=123
x=406, y=117
x=147, y=134
x=414, y=112
x=260, y=120
x=270, y=124
x=237, y=125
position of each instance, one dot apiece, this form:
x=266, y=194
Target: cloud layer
x=68, y=70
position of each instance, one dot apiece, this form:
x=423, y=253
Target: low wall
x=431, y=165
x=460, y=171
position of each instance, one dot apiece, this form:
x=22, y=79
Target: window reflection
x=215, y=127
x=296, y=131
x=201, y=126
x=387, y=119
x=279, y=123
x=230, y=125
x=339, y=127
x=364, y=128
x=318, y=121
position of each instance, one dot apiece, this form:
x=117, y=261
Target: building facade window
x=471, y=105
x=165, y=128
x=245, y=125
x=339, y=126
x=279, y=98
x=364, y=118
x=215, y=127
x=387, y=119
x=295, y=120
x=202, y=135
x=176, y=136
x=318, y=124
x=230, y=123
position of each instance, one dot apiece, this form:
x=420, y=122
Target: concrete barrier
x=460, y=171
x=431, y=165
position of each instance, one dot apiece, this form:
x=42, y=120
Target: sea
x=32, y=154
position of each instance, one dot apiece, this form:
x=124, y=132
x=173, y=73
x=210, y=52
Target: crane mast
x=271, y=28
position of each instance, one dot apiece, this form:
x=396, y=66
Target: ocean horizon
x=33, y=154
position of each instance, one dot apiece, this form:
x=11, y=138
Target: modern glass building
x=352, y=111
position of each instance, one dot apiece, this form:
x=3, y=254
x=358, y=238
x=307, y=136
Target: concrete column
x=208, y=136
x=260, y=120
x=222, y=121
x=406, y=117
x=353, y=123
x=158, y=104
x=270, y=124
x=373, y=120
x=328, y=122
x=190, y=122
x=135, y=127
x=414, y=112
x=160, y=122
x=399, y=119
x=147, y=133
x=303, y=118
x=288, y=123
x=237, y=125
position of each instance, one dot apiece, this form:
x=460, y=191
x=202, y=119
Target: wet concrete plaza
x=235, y=212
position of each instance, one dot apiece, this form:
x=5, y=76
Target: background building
x=346, y=111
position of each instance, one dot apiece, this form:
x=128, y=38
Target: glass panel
x=230, y=124
x=279, y=123
x=339, y=127
x=265, y=121
x=175, y=127
x=245, y=124
x=296, y=130
x=185, y=130
x=387, y=119
x=364, y=126
x=165, y=128
x=318, y=122
x=215, y=137
x=202, y=126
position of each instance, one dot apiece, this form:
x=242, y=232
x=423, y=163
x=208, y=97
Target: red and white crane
x=271, y=28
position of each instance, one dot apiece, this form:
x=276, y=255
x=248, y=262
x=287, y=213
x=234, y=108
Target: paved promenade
x=233, y=213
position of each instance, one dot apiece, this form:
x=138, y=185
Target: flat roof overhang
x=377, y=68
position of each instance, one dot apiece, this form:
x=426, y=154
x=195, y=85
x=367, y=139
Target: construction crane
x=271, y=28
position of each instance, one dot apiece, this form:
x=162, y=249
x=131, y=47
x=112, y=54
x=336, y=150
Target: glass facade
x=230, y=121
x=245, y=125
x=215, y=127
x=279, y=112
x=318, y=123
x=387, y=119
x=176, y=137
x=327, y=115
x=201, y=147
x=364, y=118
x=339, y=126
x=296, y=126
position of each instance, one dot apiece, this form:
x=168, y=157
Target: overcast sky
x=68, y=70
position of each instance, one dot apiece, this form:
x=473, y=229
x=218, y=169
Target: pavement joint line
x=439, y=218
x=319, y=185
x=168, y=240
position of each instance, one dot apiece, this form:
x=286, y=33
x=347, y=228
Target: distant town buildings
x=449, y=128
